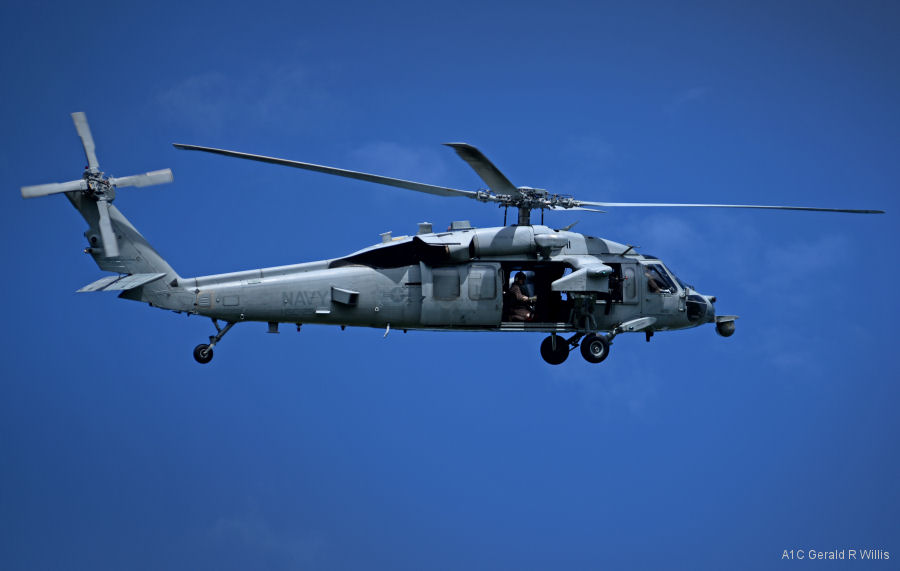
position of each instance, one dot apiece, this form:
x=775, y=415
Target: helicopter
x=581, y=290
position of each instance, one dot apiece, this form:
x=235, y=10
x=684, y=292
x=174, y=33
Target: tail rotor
x=97, y=186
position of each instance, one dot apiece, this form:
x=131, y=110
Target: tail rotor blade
x=110, y=245
x=87, y=140
x=147, y=179
x=53, y=188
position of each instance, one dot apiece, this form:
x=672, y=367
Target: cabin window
x=629, y=290
x=446, y=283
x=482, y=283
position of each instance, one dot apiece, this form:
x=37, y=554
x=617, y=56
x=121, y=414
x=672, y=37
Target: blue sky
x=344, y=450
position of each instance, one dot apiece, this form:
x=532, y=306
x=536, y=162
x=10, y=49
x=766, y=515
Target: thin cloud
x=628, y=383
x=590, y=151
x=793, y=357
x=275, y=96
x=582, y=168
x=665, y=229
x=254, y=533
x=666, y=235
x=686, y=97
x=398, y=161
x=205, y=98
x=789, y=270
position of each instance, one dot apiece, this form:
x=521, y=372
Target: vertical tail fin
x=135, y=254
x=114, y=243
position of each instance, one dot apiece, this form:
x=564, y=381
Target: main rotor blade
x=147, y=179
x=758, y=206
x=576, y=208
x=485, y=169
x=87, y=140
x=53, y=188
x=110, y=245
x=378, y=179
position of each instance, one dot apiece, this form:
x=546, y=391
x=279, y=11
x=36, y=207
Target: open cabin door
x=462, y=294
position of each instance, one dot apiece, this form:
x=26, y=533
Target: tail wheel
x=203, y=353
x=594, y=348
x=555, y=356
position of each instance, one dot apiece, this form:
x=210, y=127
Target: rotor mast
x=524, y=216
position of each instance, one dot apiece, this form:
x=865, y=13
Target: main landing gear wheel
x=594, y=348
x=203, y=353
x=559, y=354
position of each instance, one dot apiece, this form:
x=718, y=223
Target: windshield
x=677, y=279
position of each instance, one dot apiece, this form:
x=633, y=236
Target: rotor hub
x=99, y=187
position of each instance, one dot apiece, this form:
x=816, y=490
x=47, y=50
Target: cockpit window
x=658, y=280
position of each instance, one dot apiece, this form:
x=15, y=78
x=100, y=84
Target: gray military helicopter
x=588, y=289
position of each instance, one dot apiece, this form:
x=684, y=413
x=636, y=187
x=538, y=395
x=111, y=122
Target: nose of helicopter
x=700, y=308
x=711, y=308
x=724, y=323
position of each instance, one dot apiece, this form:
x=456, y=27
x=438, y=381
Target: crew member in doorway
x=615, y=290
x=520, y=303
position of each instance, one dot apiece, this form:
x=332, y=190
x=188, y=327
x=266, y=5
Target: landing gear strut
x=203, y=353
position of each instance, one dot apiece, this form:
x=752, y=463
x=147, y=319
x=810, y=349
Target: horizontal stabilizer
x=120, y=283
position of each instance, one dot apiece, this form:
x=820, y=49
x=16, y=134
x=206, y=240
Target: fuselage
x=458, y=280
